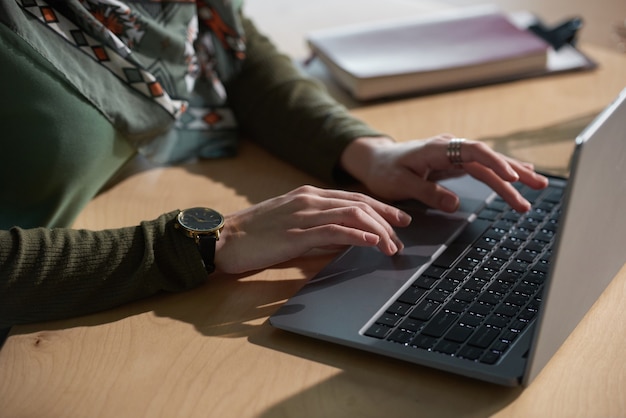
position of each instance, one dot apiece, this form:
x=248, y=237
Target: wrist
x=358, y=156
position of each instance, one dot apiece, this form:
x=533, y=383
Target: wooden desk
x=211, y=352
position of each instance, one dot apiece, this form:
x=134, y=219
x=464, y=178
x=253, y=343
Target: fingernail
x=404, y=218
x=449, y=203
x=371, y=238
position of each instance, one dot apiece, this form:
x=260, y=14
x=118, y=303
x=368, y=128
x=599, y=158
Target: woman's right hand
x=307, y=218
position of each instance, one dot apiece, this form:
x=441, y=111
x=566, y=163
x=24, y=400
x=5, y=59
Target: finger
x=391, y=214
x=370, y=214
x=479, y=152
x=363, y=215
x=355, y=218
x=503, y=188
x=527, y=174
x=333, y=235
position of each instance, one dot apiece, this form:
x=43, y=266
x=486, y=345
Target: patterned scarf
x=154, y=68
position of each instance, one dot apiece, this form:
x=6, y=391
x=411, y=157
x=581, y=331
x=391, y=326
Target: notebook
x=407, y=57
x=461, y=47
x=486, y=292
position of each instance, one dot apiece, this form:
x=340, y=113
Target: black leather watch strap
x=206, y=245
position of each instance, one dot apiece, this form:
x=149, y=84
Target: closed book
x=436, y=52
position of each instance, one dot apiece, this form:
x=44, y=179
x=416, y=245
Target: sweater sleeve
x=48, y=274
x=288, y=113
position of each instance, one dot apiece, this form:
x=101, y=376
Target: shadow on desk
x=237, y=308
x=365, y=385
x=368, y=385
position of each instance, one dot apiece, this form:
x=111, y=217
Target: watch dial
x=201, y=219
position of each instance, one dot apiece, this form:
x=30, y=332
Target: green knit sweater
x=49, y=171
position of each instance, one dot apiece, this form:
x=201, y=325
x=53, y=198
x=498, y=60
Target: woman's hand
x=304, y=219
x=409, y=170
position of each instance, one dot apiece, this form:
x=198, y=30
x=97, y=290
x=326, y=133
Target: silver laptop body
x=345, y=299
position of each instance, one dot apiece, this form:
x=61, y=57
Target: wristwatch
x=203, y=225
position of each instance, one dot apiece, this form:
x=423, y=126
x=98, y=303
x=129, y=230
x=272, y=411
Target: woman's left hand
x=410, y=170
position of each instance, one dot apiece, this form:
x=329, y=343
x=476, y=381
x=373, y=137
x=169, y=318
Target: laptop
x=485, y=292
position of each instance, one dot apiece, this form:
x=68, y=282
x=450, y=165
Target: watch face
x=201, y=219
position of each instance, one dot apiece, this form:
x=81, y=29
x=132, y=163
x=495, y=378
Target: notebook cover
x=452, y=48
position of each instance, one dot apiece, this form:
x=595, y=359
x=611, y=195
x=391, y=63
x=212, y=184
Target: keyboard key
x=512, y=216
x=527, y=256
x=438, y=295
x=448, y=284
x=459, y=333
x=425, y=282
x=518, y=265
x=494, y=263
x=412, y=295
x=497, y=321
x=544, y=236
x=424, y=310
x=488, y=214
x=500, y=287
x=535, y=276
x=466, y=295
x=502, y=253
x=475, y=284
x=440, y=323
x=389, y=319
x=471, y=320
x=476, y=253
x=535, y=246
x=457, y=274
x=490, y=298
x=554, y=195
x=467, y=264
x=520, y=234
x=483, y=337
x=435, y=272
x=516, y=299
x=527, y=314
x=498, y=205
x=509, y=336
x=507, y=310
x=512, y=244
x=481, y=309
x=500, y=346
x=377, y=331
x=526, y=288
x=399, y=308
x=484, y=274
x=518, y=325
x=447, y=347
x=401, y=336
x=490, y=357
x=457, y=306
x=411, y=324
x=423, y=341
x=470, y=353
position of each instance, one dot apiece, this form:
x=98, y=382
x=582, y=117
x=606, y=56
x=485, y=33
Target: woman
x=94, y=82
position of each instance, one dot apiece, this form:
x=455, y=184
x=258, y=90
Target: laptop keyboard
x=479, y=295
